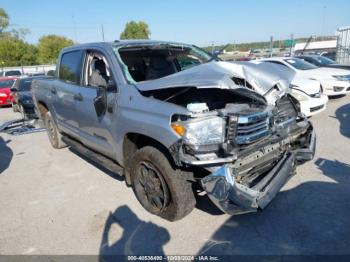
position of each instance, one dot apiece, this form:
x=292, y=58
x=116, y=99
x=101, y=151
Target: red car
x=5, y=92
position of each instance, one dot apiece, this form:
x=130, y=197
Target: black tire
x=54, y=135
x=167, y=192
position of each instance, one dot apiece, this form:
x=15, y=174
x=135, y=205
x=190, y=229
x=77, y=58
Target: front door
x=96, y=126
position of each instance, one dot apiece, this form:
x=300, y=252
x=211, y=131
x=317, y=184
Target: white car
x=308, y=92
x=310, y=96
x=334, y=81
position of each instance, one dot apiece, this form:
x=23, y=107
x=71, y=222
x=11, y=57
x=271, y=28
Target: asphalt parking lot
x=55, y=202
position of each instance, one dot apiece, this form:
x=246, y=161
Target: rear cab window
x=71, y=67
x=25, y=85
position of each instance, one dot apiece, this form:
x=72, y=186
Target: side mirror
x=100, y=101
x=111, y=86
x=13, y=90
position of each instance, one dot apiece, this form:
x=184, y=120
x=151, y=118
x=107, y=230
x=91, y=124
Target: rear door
x=65, y=90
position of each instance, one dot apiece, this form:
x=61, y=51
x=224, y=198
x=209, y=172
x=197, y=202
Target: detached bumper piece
x=234, y=198
x=308, y=151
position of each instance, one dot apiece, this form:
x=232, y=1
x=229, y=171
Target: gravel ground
x=55, y=202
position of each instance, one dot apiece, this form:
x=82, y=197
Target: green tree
x=5, y=24
x=136, y=30
x=49, y=47
x=4, y=20
x=16, y=52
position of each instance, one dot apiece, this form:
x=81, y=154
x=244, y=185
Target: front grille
x=246, y=129
x=286, y=112
x=316, y=108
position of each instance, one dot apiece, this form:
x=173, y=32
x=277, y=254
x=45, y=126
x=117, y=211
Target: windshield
x=299, y=64
x=153, y=61
x=324, y=60
x=6, y=83
x=24, y=85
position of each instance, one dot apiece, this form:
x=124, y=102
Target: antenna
x=103, y=33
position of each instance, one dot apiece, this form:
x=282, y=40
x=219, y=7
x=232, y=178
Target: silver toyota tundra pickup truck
x=173, y=119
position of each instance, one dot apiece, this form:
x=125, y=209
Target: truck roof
x=120, y=43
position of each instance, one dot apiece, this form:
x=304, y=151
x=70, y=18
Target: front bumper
x=235, y=198
x=307, y=152
x=5, y=101
x=335, y=87
x=313, y=106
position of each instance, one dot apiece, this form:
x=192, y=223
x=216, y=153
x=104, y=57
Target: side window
x=70, y=67
x=97, y=71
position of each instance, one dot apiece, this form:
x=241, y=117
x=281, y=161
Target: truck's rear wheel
x=55, y=136
x=160, y=189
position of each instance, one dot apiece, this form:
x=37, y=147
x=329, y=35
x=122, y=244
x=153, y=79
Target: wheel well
x=133, y=142
x=43, y=109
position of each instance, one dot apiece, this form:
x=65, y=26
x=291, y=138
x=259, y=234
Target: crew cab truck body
x=172, y=116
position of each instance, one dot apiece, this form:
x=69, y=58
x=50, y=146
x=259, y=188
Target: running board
x=95, y=157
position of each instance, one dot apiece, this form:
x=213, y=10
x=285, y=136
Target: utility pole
x=271, y=45
x=103, y=33
x=74, y=28
x=323, y=20
x=291, y=44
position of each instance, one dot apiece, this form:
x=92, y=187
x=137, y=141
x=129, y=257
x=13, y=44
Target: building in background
x=327, y=48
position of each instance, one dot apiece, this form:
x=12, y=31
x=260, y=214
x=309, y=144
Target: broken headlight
x=201, y=131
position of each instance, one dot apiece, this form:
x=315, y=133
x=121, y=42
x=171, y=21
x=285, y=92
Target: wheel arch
x=135, y=141
x=42, y=108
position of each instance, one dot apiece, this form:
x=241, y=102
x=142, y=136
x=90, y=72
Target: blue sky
x=197, y=22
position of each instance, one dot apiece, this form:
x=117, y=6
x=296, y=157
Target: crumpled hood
x=209, y=75
x=220, y=74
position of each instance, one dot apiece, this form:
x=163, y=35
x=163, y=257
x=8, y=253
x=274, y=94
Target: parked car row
x=312, y=84
x=16, y=92
x=18, y=73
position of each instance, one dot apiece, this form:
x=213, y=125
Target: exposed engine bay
x=248, y=132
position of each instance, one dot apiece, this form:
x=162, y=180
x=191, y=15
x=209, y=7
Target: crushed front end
x=250, y=151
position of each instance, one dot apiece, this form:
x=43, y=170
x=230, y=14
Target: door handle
x=53, y=91
x=78, y=97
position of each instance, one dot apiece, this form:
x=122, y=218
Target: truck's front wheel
x=52, y=131
x=161, y=189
